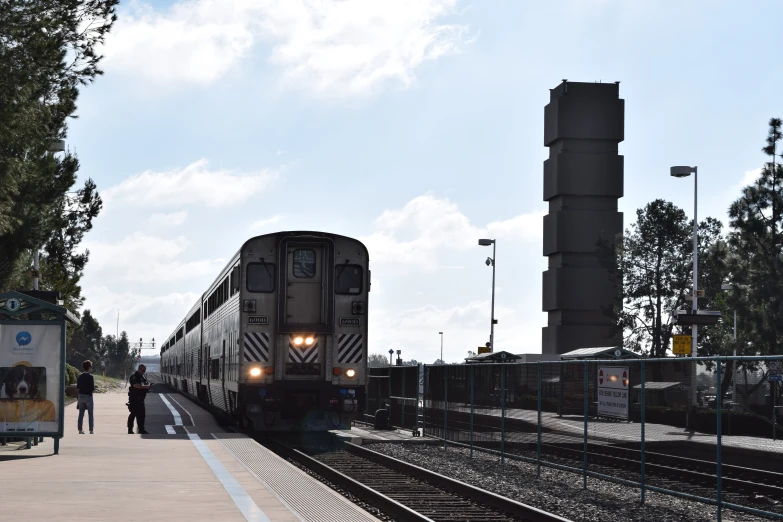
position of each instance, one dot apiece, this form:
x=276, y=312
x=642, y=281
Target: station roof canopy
x=495, y=357
x=605, y=352
x=651, y=385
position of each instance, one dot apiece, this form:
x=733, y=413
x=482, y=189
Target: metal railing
x=596, y=417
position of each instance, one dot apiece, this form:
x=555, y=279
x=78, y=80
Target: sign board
x=613, y=391
x=483, y=349
x=775, y=368
x=682, y=344
x=30, y=378
x=258, y=319
x=775, y=377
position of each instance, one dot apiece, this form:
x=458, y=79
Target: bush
x=71, y=374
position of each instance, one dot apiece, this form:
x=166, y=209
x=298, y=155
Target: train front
x=304, y=331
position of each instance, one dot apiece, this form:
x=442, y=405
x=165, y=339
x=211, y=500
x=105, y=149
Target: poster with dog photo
x=30, y=378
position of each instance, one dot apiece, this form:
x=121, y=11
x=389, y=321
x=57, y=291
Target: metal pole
x=492, y=325
x=538, y=443
x=718, y=401
x=502, y=413
x=424, y=404
x=418, y=397
x=774, y=405
x=695, y=306
x=402, y=389
x=641, y=408
x=441, y=347
x=472, y=386
x=446, y=407
x=35, y=268
x=584, y=473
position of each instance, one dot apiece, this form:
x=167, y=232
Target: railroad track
x=404, y=491
x=675, y=471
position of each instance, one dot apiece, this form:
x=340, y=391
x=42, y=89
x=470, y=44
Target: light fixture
x=350, y=373
x=309, y=341
x=255, y=372
x=298, y=341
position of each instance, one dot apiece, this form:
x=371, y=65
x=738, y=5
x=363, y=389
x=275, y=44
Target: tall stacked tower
x=583, y=179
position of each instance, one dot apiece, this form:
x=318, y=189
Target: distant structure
x=583, y=179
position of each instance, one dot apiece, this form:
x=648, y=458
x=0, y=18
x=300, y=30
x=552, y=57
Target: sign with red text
x=613, y=391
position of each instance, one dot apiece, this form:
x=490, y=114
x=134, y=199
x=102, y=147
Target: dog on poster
x=21, y=395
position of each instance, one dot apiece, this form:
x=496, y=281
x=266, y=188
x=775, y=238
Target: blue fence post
x=538, y=443
x=718, y=401
x=584, y=470
x=424, y=403
x=502, y=412
x=402, y=401
x=472, y=380
x=418, y=397
x=446, y=407
x=641, y=413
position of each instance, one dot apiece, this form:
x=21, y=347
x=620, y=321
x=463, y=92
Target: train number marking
x=258, y=319
x=349, y=321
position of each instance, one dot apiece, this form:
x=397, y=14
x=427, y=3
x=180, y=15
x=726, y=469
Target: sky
x=415, y=126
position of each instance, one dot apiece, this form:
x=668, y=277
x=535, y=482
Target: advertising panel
x=30, y=378
x=613, y=391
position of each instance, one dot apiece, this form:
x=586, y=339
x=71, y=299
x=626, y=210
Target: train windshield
x=348, y=279
x=261, y=277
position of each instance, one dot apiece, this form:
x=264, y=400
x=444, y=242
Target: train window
x=348, y=279
x=261, y=277
x=304, y=263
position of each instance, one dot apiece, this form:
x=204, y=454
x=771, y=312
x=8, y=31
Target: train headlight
x=255, y=372
x=298, y=341
x=309, y=341
x=350, y=373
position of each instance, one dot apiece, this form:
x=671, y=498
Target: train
x=278, y=341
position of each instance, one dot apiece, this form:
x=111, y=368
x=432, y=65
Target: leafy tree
x=47, y=50
x=119, y=355
x=756, y=237
x=86, y=343
x=377, y=360
x=654, y=260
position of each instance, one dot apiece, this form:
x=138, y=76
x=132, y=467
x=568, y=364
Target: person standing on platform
x=137, y=393
x=86, y=385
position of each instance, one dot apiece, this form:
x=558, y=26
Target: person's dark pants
x=138, y=412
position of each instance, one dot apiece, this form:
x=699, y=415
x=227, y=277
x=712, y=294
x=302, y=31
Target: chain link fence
x=707, y=429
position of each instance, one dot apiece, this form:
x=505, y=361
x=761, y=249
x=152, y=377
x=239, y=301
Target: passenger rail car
x=279, y=340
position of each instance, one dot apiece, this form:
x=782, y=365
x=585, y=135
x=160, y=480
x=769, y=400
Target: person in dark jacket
x=137, y=393
x=86, y=385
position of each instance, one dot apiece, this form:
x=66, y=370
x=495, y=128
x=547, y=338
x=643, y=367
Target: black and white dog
x=20, y=382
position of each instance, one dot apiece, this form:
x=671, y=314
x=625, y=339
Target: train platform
x=187, y=468
x=627, y=432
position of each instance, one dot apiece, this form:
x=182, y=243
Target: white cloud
x=414, y=233
x=140, y=258
x=142, y=316
x=172, y=219
x=194, y=184
x=465, y=328
x=329, y=47
x=262, y=225
x=750, y=177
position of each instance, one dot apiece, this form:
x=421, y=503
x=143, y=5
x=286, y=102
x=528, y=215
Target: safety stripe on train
x=256, y=347
x=302, y=353
x=349, y=348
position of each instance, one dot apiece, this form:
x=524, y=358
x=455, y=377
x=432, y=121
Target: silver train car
x=279, y=340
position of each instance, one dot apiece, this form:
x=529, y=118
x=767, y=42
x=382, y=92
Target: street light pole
x=491, y=261
x=734, y=366
x=683, y=172
x=441, y=347
x=492, y=313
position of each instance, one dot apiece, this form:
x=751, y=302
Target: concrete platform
x=187, y=468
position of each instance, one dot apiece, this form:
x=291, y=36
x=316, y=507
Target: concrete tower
x=583, y=179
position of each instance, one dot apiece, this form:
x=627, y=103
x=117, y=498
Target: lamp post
x=491, y=262
x=54, y=146
x=441, y=347
x=684, y=172
x=730, y=286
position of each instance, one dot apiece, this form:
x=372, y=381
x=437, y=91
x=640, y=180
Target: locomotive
x=279, y=340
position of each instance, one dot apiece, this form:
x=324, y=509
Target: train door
x=305, y=308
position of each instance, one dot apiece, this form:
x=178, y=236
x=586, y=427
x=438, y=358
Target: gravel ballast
x=558, y=492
